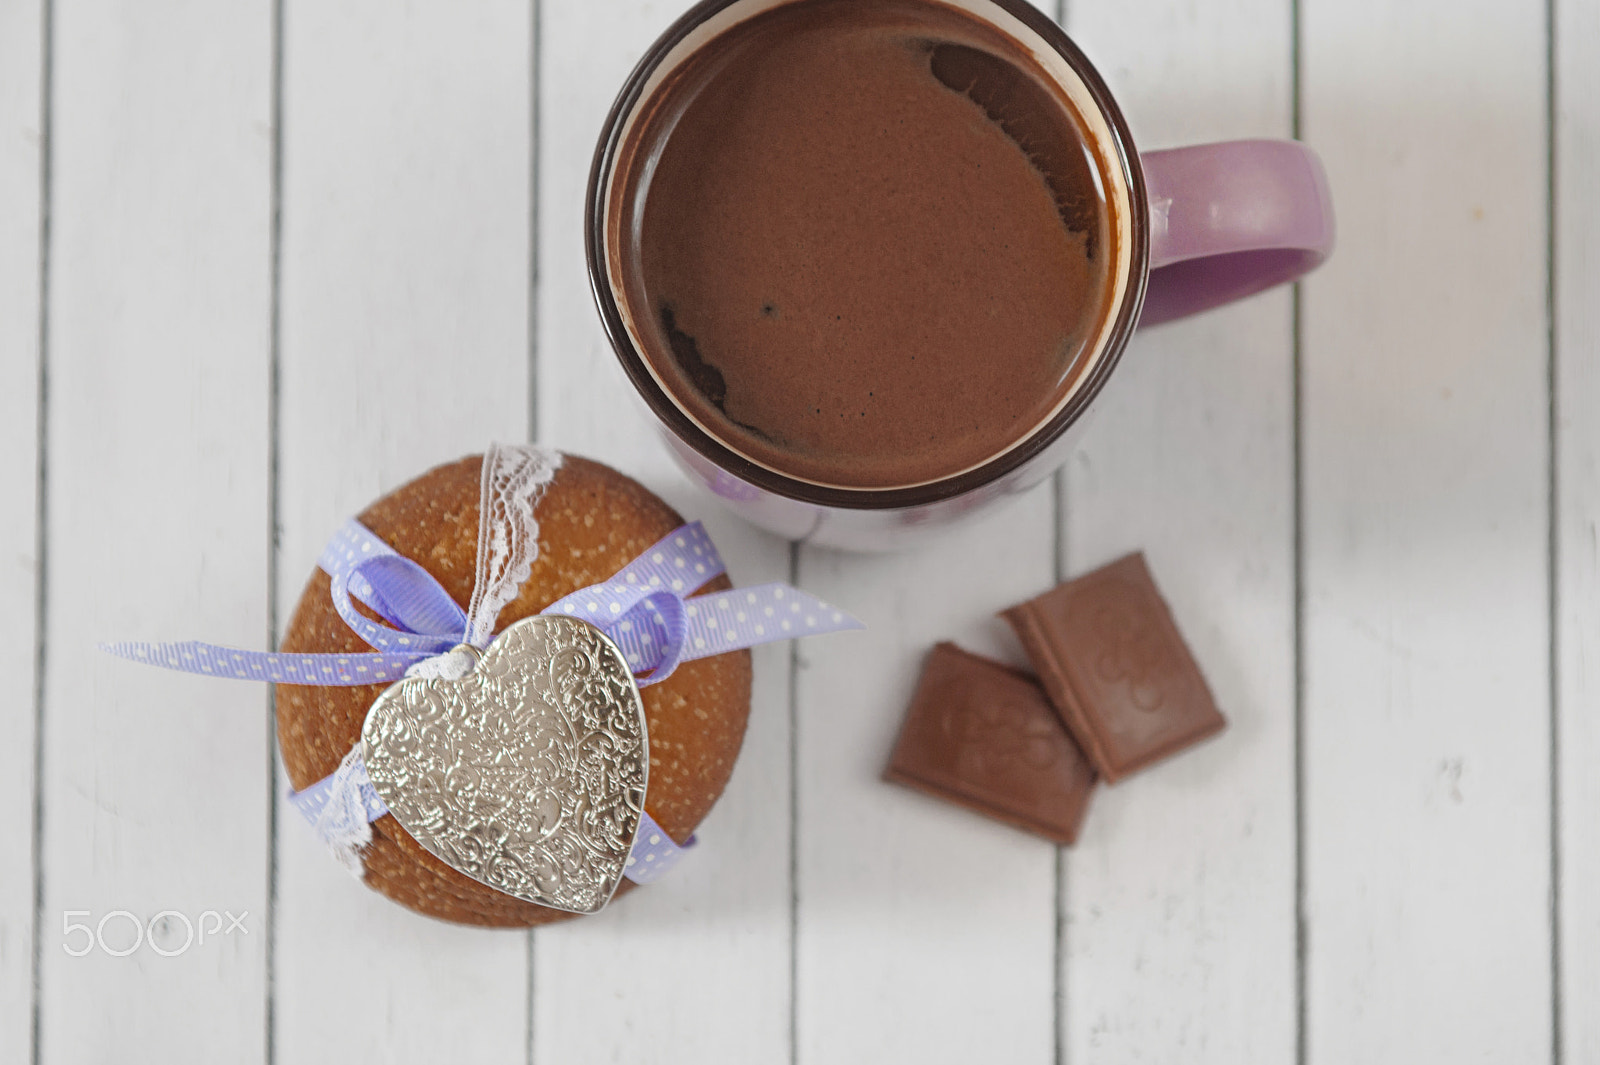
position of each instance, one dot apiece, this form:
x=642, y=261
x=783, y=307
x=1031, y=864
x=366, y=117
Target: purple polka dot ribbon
x=629, y=608
x=311, y=801
x=644, y=609
x=653, y=854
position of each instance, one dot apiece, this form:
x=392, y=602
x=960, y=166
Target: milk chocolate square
x=983, y=735
x=1116, y=668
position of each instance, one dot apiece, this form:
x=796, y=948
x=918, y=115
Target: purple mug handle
x=1230, y=219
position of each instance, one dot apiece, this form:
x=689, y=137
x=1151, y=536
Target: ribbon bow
x=644, y=609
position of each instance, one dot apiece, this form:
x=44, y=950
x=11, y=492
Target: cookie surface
x=592, y=522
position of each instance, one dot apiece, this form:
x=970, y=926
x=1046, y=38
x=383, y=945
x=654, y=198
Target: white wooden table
x=262, y=260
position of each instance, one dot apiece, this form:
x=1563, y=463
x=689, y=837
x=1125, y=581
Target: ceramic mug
x=1197, y=227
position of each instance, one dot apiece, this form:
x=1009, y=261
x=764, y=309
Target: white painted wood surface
x=1577, y=573
x=156, y=795
x=432, y=164
x=1427, y=697
x=21, y=143
x=404, y=343
x=924, y=933
x=1180, y=897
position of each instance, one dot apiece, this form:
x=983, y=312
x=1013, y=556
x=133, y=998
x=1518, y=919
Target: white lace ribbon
x=343, y=823
x=508, y=532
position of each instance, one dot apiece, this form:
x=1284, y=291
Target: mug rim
x=1020, y=454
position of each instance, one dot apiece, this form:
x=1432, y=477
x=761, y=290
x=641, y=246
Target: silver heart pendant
x=528, y=774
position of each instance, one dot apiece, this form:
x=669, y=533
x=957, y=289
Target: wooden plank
x=1180, y=898
x=1425, y=474
x=405, y=288
x=155, y=785
x=1577, y=339
x=925, y=931
x=717, y=932
x=21, y=138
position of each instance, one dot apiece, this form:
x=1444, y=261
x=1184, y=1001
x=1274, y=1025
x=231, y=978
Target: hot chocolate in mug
x=869, y=262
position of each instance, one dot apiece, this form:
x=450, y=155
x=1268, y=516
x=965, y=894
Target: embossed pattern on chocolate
x=1116, y=668
x=529, y=773
x=983, y=735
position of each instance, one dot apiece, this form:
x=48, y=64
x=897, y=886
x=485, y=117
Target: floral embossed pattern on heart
x=527, y=774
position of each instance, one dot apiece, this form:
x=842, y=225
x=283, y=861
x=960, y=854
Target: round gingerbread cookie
x=592, y=522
